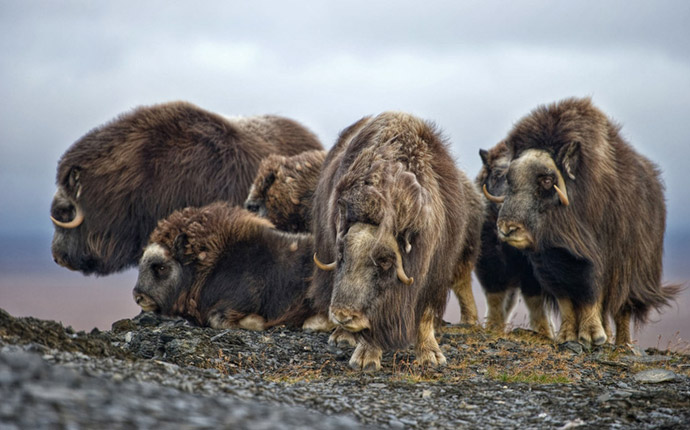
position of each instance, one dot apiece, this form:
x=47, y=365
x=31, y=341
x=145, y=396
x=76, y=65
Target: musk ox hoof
x=430, y=357
x=342, y=338
x=366, y=358
x=592, y=336
x=318, y=323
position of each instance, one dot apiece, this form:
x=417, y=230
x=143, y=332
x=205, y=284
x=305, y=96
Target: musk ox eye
x=384, y=264
x=159, y=269
x=546, y=182
x=73, y=178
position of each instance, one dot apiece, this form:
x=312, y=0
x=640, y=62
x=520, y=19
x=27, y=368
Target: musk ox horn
x=76, y=222
x=493, y=198
x=327, y=267
x=401, y=272
x=562, y=195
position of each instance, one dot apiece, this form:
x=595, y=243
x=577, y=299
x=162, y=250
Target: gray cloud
x=472, y=67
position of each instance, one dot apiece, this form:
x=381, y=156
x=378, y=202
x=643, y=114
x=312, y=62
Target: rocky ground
x=150, y=372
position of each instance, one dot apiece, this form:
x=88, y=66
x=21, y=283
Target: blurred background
x=473, y=67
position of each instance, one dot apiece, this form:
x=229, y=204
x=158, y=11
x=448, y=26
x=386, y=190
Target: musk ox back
x=118, y=180
x=397, y=224
x=222, y=266
x=589, y=212
x=283, y=189
x=501, y=269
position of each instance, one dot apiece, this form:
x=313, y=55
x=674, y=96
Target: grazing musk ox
x=399, y=225
x=283, y=189
x=120, y=178
x=222, y=266
x=589, y=212
x=501, y=269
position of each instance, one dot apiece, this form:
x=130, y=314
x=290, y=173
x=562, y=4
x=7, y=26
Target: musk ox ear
x=179, y=246
x=569, y=158
x=484, y=155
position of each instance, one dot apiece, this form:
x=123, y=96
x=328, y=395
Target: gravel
x=150, y=372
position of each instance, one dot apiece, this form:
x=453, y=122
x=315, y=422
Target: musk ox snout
x=514, y=233
x=349, y=319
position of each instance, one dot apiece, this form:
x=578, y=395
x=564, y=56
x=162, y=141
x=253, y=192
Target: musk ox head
x=283, y=188
x=535, y=188
x=162, y=277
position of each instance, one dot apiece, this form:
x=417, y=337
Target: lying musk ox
x=118, y=180
x=589, y=212
x=283, y=189
x=398, y=225
x=502, y=270
x=222, y=266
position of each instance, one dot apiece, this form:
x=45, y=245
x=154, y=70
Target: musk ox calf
x=501, y=269
x=589, y=213
x=118, y=180
x=283, y=189
x=397, y=224
x=222, y=266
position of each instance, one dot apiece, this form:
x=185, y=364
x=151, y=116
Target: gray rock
x=653, y=376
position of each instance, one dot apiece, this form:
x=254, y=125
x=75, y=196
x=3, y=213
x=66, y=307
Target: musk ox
x=589, y=213
x=398, y=225
x=283, y=189
x=117, y=181
x=222, y=266
x=501, y=269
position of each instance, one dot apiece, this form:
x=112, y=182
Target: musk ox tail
x=658, y=299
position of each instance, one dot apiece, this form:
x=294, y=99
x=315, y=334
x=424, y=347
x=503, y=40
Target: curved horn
x=326, y=267
x=76, y=222
x=401, y=272
x=562, y=195
x=493, y=198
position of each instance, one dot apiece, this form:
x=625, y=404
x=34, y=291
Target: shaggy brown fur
x=283, y=189
x=391, y=180
x=232, y=264
x=129, y=173
x=602, y=251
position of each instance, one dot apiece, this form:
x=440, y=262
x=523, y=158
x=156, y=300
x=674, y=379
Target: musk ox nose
x=138, y=298
x=508, y=228
x=349, y=319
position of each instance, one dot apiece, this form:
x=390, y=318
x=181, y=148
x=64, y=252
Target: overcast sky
x=473, y=67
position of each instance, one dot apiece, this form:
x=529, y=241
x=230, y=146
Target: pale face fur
x=531, y=194
x=366, y=268
x=160, y=277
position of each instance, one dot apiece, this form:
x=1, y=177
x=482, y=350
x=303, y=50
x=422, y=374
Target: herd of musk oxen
x=366, y=240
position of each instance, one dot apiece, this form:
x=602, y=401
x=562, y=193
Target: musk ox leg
x=538, y=318
x=606, y=323
x=341, y=337
x=591, y=330
x=220, y=317
x=622, y=321
x=568, y=331
x=499, y=306
x=366, y=357
x=427, y=349
x=253, y=322
x=462, y=287
x=318, y=322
